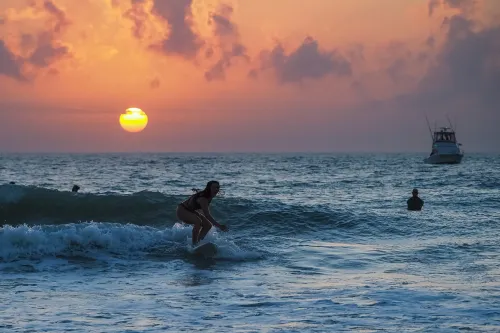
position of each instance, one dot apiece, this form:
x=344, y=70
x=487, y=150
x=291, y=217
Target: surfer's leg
x=205, y=227
x=196, y=233
x=190, y=218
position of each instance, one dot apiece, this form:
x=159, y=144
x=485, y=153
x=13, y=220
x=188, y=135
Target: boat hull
x=444, y=159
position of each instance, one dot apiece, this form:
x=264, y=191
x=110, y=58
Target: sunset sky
x=248, y=75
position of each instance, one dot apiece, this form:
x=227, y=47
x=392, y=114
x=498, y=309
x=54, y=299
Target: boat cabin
x=445, y=135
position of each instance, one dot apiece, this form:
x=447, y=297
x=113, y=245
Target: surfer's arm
x=206, y=212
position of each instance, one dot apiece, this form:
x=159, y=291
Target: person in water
x=188, y=211
x=415, y=203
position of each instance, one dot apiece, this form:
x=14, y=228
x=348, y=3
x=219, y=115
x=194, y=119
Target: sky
x=248, y=75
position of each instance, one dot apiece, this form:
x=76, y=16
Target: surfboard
x=206, y=250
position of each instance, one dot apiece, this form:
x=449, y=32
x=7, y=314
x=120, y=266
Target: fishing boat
x=445, y=148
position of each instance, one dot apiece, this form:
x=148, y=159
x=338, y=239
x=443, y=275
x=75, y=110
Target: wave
x=40, y=206
x=106, y=242
x=34, y=205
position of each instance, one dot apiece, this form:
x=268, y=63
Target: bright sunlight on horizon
x=133, y=120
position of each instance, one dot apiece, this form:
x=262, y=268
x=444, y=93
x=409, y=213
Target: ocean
x=316, y=243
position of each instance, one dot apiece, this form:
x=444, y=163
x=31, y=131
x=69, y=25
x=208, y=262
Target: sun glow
x=133, y=120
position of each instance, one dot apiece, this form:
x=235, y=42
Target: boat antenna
x=449, y=121
x=429, y=126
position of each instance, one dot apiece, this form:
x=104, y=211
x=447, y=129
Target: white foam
x=226, y=248
x=93, y=239
x=38, y=241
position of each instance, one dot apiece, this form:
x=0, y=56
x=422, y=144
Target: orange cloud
x=39, y=49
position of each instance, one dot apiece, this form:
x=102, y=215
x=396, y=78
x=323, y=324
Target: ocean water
x=316, y=243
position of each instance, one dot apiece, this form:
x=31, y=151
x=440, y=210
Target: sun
x=133, y=120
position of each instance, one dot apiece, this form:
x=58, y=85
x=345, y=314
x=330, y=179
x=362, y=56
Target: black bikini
x=192, y=204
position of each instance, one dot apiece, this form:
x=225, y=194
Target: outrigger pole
x=451, y=125
x=428, y=125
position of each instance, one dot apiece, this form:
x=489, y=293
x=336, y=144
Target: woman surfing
x=188, y=211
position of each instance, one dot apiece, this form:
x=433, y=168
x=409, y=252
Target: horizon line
x=229, y=152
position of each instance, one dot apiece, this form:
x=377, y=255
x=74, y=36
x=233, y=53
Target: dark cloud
x=216, y=72
x=469, y=61
x=45, y=46
x=41, y=49
x=47, y=52
x=59, y=17
x=460, y=4
x=10, y=65
x=396, y=69
x=229, y=46
x=28, y=41
x=181, y=39
x=465, y=69
x=463, y=82
x=458, y=27
x=306, y=62
x=222, y=22
x=138, y=15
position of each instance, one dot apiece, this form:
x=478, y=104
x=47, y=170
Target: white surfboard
x=206, y=250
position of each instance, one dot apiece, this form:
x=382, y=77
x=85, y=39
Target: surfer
x=187, y=211
x=415, y=203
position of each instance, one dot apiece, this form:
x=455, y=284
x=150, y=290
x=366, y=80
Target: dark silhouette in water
x=415, y=203
x=75, y=188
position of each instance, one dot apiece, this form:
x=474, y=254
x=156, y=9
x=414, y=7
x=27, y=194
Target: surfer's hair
x=206, y=191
